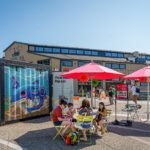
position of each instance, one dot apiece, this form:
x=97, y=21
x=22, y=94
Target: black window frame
x=122, y=65
x=31, y=48
x=121, y=54
x=44, y=62
x=101, y=54
x=56, y=48
x=112, y=66
x=46, y=49
x=78, y=52
x=106, y=65
x=115, y=56
x=94, y=52
x=62, y=61
x=110, y=54
x=39, y=47
x=147, y=57
x=64, y=52
x=82, y=61
x=72, y=50
x=89, y=51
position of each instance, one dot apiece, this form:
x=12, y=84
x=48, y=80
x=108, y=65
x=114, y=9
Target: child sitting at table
x=85, y=107
x=71, y=112
x=98, y=121
x=85, y=110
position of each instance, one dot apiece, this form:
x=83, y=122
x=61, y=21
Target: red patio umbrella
x=92, y=71
x=144, y=76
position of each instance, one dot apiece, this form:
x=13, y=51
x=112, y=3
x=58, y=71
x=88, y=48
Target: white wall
x=61, y=87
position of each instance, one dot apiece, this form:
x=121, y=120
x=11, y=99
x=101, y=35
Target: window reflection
x=64, y=51
x=56, y=50
x=67, y=63
x=72, y=51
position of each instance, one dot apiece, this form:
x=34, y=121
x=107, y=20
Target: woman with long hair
x=98, y=121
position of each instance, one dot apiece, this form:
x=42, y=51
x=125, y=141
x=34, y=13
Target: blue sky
x=122, y=25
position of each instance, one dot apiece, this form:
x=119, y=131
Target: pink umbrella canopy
x=144, y=76
x=141, y=74
x=92, y=71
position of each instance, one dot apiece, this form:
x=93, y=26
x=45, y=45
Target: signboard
x=122, y=91
x=66, y=69
x=61, y=88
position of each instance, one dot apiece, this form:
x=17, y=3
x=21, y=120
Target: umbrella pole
x=91, y=94
x=148, y=101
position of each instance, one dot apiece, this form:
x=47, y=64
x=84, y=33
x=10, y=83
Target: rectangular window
x=148, y=57
x=39, y=49
x=67, y=63
x=120, y=55
x=140, y=60
x=44, y=62
x=115, y=66
x=81, y=63
x=94, y=53
x=16, y=53
x=122, y=66
x=87, y=52
x=98, y=62
x=39, y=62
x=48, y=50
x=64, y=51
x=31, y=48
x=102, y=54
x=114, y=54
x=56, y=50
x=107, y=54
x=72, y=51
x=80, y=52
x=108, y=65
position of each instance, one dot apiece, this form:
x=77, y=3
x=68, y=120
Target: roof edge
x=14, y=42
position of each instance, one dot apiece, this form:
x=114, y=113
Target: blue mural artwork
x=26, y=92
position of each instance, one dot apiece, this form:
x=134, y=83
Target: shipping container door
x=26, y=92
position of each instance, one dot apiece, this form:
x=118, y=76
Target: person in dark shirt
x=110, y=93
x=98, y=121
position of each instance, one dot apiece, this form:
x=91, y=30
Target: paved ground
x=36, y=134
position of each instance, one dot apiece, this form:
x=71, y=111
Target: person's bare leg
x=73, y=128
x=84, y=135
x=67, y=124
x=95, y=125
x=102, y=127
x=65, y=129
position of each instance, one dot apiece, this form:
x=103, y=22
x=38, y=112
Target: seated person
x=85, y=109
x=58, y=118
x=98, y=121
x=70, y=112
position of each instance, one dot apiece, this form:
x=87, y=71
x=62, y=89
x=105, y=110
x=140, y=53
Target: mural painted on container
x=26, y=92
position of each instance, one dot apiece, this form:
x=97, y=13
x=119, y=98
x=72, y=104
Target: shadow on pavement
x=137, y=129
x=36, y=120
x=42, y=140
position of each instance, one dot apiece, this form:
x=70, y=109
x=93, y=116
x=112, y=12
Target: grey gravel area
x=37, y=134
x=4, y=147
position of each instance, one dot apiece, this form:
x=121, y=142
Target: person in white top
x=134, y=93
